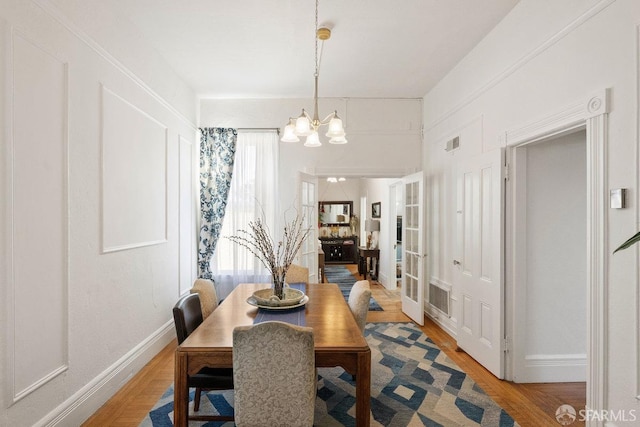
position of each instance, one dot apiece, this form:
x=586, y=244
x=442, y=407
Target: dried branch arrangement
x=275, y=257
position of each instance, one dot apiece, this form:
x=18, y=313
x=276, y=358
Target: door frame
x=590, y=113
x=566, y=370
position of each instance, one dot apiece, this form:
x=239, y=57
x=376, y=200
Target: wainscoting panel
x=187, y=214
x=134, y=176
x=39, y=218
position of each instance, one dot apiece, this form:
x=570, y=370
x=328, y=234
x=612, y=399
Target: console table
x=365, y=256
x=341, y=250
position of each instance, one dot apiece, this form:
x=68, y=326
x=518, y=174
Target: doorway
x=395, y=235
x=550, y=262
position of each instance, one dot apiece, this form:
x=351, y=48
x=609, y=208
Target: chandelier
x=305, y=125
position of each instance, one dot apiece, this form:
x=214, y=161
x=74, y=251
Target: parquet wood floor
x=531, y=405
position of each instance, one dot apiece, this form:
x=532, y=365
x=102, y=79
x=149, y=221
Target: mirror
x=335, y=213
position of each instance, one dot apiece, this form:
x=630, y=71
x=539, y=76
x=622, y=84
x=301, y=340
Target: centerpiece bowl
x=266, y=297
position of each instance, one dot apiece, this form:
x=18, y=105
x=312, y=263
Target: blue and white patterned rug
x=340, y=275
x=413, y=383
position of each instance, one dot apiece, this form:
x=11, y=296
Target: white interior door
x=413, y=257
x=479, y=258
x=308, y=206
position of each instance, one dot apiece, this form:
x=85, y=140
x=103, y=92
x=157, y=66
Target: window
x=253, y=194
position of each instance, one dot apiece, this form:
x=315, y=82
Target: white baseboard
x=448, y=324
x=86, y=401
x=553, y=368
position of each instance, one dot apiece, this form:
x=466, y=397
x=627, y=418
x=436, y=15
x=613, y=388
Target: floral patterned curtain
x=217, y=152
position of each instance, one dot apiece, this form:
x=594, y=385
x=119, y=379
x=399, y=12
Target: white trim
x=594, y=116
x=83, y=403
x=637, y=194
x=554, y=368
x=590, y=13
x=56, y=14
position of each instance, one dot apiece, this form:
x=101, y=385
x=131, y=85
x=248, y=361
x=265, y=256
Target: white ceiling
x=265, y=48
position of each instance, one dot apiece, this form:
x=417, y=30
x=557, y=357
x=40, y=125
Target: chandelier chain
x=315, y=38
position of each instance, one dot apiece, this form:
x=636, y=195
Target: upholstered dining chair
x=297, y=274
x=359, y=302
x=208, y=296
x=274, y=375
x=187, y=316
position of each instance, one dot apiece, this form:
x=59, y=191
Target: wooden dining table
x=338, y=342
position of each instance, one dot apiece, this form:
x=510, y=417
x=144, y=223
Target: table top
x=327, y=313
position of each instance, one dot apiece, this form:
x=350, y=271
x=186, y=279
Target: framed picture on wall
x=375, y=210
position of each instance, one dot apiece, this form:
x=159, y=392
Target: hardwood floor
x=531, y=405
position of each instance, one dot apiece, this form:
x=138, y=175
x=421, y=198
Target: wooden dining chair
x=297, y=274
x=187, y=316
x=208, y=296
x=274, y=375
x=359, y=302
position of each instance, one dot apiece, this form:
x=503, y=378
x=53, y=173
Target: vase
x=278, y=282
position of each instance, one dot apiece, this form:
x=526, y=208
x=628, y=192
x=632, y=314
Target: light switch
x=617, y=198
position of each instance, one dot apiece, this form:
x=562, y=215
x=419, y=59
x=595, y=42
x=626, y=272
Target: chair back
x=359, y=302
x=274, y=375
x=208, y=296
x=187, y=316
x=297, y=274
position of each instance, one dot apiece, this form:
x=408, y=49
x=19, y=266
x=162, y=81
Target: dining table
x=338, y=340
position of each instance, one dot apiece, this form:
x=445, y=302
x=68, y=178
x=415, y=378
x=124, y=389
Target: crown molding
x=60, y=17
x=568, y=29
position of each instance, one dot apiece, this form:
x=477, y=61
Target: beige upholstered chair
x=297, y=274
x=208, y=296
x=274, y=375
x=359, y=302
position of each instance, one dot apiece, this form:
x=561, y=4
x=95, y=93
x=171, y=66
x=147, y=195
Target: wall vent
x=440, y=298
x=452, y=144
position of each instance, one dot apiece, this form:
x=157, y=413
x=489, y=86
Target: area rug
x=340, y=275
x=413, y=383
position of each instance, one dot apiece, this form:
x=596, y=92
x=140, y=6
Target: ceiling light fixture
x=333, y=179
x=305, y=125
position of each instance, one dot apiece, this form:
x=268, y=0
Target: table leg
x=180, y=392
x=363, y=389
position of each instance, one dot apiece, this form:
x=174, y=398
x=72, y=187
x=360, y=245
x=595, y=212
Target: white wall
x=543, y=57
x=384, y=136
x=556, y=269
x=98, y=218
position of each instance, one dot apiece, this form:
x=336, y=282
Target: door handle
x=456, y=262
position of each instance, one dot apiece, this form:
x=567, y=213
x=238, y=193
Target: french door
x=308, y=207
x=413, y=256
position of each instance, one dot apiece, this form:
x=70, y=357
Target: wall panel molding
x=134, y=176
x=39, y=217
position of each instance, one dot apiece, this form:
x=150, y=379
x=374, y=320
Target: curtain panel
x=217, y=153
x=253, y=195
